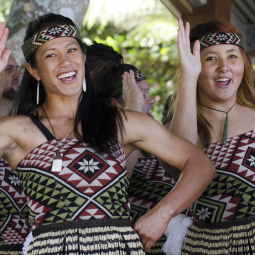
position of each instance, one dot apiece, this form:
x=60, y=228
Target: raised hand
x=190, y=63
x=4, y=53
x=132, y=95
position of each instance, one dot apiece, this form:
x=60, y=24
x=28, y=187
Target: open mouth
x=67, y=76
x=149, y=113
x=222, y=82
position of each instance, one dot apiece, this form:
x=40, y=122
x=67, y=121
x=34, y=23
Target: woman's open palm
x=190, y=63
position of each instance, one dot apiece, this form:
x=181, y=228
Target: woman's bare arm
x=184, y=122
x=197, y=171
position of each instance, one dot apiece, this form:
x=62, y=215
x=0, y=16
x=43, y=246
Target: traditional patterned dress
x=83, y=209
x=225, y=212
x=13, y=207
x=148, y=185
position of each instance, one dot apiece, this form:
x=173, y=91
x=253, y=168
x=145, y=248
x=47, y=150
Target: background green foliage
x=144, y=31
x=5, y=6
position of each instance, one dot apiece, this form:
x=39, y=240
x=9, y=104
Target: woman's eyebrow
x=210, y=52
x=55, y=48
x=48, y=49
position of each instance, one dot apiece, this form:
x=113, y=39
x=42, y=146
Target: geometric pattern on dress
x=16, y=231
x=148, y=185
x=90, y=185
x=231, y=194
x=13, y=207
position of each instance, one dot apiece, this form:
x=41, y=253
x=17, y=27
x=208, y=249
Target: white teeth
x=65, y=75
x=222, y=79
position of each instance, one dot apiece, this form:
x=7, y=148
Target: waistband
x=81, y=224
x=225, y=224
x=17, y=247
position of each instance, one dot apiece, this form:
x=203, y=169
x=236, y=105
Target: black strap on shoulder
x=41, y=126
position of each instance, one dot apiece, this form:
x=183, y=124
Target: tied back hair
x=245, y=93
x=100, y=123
x=106, y=77
x=98, y=53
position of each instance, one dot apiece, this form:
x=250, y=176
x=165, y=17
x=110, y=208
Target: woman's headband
x=53, y=32
x=118, y=86
x=219, y=38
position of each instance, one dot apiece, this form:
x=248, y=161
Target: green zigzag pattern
x=117, y=192
x=45, y=190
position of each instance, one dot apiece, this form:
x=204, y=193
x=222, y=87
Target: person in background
x=14, y=226
x=10, y=85
x=149, y=181
x=214, y=107
x=69, y=150
x=98, y=53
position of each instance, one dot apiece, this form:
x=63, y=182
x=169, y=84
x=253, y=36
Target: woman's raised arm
x=184, y=122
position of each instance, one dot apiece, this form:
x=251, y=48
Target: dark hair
x=245, y=92
x=99, y=53
x=105, y=79
x=99, y=122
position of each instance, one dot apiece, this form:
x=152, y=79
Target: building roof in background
x=242, y=16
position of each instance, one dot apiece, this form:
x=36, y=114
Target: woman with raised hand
x=214, y=107
x=69, y=151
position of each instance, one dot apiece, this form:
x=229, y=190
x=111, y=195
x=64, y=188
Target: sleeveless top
x=13, y=208
x=89, y=186
x=231, y=195
x=148, y=185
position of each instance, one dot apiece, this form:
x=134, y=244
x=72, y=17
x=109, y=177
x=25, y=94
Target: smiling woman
x=216, y=101
x=70, y=150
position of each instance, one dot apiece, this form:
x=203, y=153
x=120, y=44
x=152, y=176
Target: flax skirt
x=235, y=237
x=97, y=237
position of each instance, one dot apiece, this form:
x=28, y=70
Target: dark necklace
x=225, y=131
x=57, y=158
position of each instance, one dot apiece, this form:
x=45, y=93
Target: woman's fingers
x=196, y=49
x=183, y=38
x=187, y=30
x=4, y=31
x=4, y=54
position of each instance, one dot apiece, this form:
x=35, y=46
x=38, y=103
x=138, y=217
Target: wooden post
x=213, y=10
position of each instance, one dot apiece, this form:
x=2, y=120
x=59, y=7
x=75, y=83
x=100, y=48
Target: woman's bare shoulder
x=15, y=122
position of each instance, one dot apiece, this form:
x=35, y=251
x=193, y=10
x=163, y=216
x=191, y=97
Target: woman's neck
x=58, y=107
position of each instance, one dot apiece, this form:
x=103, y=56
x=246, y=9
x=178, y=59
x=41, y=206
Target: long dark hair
x=99, y=122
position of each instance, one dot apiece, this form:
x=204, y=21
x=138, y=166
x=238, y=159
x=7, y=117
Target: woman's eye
x=211, y=58
x=232, y=56
x=50, y=55
x=72, y=50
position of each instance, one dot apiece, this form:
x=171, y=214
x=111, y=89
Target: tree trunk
x=24, y=11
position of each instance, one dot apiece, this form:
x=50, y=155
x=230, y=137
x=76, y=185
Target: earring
x=84, y=85
x=37, y=92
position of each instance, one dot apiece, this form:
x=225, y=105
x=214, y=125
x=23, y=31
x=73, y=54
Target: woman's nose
x=223, y=65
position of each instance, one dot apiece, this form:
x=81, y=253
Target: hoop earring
x=37, y=92
x=84, y=85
